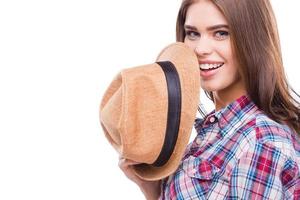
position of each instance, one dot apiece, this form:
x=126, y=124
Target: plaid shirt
x=238, y=153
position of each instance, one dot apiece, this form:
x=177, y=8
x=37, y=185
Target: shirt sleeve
x=264, y=172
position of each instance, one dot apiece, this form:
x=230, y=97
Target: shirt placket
x=207, y=134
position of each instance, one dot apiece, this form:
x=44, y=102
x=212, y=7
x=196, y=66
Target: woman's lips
x=207, y=73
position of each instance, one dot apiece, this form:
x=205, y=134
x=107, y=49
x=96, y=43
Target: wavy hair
x=255, y=41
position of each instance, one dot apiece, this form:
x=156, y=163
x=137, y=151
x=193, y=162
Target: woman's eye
x=221, y=35
x=191, y=34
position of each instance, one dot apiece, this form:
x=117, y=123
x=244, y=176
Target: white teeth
x=209, y=66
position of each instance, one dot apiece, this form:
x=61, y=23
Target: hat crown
x=130, y=108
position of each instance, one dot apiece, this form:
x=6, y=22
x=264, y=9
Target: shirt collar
x=234, y=114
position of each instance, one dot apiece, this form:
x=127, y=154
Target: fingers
x=127, y=167
x=126, y=162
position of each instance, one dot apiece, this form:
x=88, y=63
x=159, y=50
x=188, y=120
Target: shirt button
x=212, y=119
x=198, y=141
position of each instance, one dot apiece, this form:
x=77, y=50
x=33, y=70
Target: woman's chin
x=208, y=88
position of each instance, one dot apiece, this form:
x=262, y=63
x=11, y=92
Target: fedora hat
x=147, y=112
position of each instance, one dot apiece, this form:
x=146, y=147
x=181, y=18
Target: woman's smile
x=209, y=71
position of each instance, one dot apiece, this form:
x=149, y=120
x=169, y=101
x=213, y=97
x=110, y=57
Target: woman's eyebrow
x=217, y=27
x=190, y=27
x=210, y=28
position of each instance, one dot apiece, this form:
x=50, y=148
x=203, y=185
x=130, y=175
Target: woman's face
x=208, y=35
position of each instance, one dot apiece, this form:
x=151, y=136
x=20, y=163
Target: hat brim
x=187, y=67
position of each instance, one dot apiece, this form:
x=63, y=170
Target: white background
x=56, y=59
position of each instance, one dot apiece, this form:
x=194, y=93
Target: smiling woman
x=57, y=58
x=209, y=37
x=252, y=49
x=248, y=146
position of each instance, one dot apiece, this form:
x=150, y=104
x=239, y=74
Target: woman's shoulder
x=269, y=128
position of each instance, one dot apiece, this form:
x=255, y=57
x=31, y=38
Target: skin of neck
x=224, y=97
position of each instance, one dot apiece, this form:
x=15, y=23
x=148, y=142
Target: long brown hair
x=255, y=41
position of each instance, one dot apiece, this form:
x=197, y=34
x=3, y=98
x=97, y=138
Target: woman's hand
x=151, y=189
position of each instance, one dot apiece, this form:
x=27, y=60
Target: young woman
x=248, y=147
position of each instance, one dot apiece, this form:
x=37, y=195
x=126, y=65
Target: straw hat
x=147, y=112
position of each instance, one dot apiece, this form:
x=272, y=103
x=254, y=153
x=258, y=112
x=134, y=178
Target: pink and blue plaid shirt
x=238, y=153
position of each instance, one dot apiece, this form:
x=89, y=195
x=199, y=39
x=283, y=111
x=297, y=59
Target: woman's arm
x=151, y=189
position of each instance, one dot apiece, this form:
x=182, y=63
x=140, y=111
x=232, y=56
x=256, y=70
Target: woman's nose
x=203, y=47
